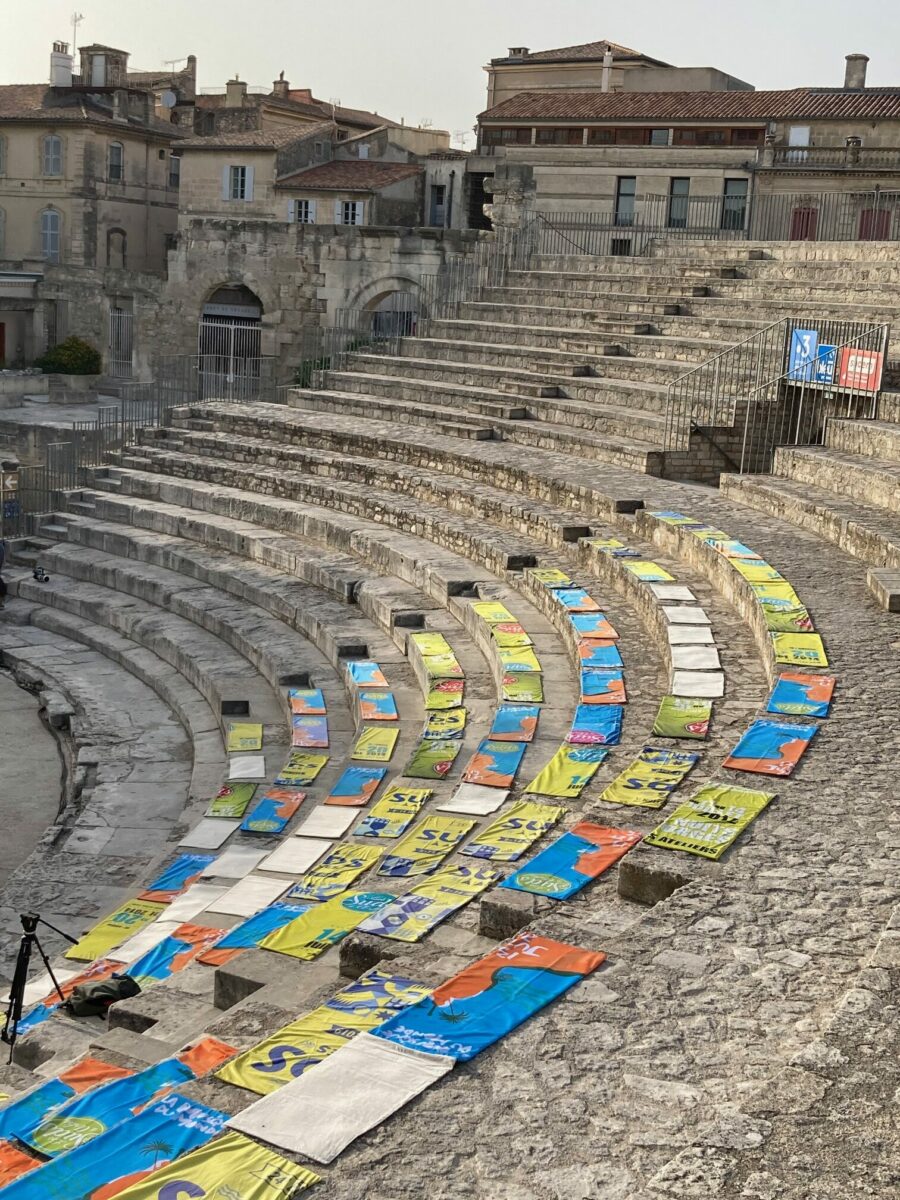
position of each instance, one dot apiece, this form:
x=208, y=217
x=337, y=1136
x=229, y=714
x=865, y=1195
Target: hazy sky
x=417, y=59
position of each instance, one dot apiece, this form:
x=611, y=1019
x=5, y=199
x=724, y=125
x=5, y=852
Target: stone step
x=871, y=481
x=864, y=532
x=874, y=439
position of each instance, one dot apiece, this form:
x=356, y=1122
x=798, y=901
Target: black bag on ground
x=93, y=999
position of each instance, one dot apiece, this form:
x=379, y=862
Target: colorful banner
x=495, y=764
x=125, y=1155
x=114, y=929
x=526, y=687
x=509, y=835
x=612, y=547
x=14, y=1162
x=602, y=687
x=682, y=717
x=707, y=824
x=375, y=745
x=796, y=695
x=410, y=916
x=593, y=625
x=232, y=1165
x=377, y=706
x=756, y=572
x=596, y=725
x=177, y=877
x=596, y=652
x=367, y=674
x=301, y=769
x=432, y=759
x=242, y=736
x=493, y=612
x=20, y=1118
x=651, y=778
x=799, y=649
x=568, y=772
x=231, y=800
x=356, y=786
x=442, y=666
x=273, y=810
x=250, y=933
x=293, y=1049
x=550, y=577
x=324, y=925
x=510, y=635
x=649, y=572
x=444, y=693
x=448, y=724
x=393, y=814
x=308, y=702
x=781, y=618
x=340, y=867
x=309, y=733
x=429, y=643
x=422, y=850
x=575, y=600
x=515, y=723
x=172, y=954
x=518, y=660
x=771, y=748
x=490, y=998
x=572, y=861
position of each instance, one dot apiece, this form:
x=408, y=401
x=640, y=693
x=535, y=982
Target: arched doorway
x=229, y=341
x=394, y=314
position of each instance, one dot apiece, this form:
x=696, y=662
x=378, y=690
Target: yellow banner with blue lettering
x=568, y=772
x=114, y=929
x=375, y=744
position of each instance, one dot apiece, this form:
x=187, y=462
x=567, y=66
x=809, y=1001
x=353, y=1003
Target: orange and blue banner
x=599, y=652
x=22, y=1116
x=172, y=954
x=593, y=625
x=771, y=747
x=356, y=786
x=309, y=733
x=796, y=695
x=377, y=706
x=495, y=764
x=515, y=723
x=366, y=673
x=600, y=686
x=575, y=600
x=308, y=702
x=596, y=725
x=273, y=810
x=572, y=861
x=176, y=877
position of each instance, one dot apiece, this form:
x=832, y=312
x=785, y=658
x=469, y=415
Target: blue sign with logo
x=804, y=348
x=826, y=363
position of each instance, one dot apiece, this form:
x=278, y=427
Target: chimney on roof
x=518, y=52
x=281, y=88
x=61, y=65
x=855, y=74
x=235, y=93
x=606, y=72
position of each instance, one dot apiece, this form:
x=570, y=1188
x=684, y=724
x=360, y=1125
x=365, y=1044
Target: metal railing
x=862, y=157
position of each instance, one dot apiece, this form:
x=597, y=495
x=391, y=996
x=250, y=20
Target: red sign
x=860, y=370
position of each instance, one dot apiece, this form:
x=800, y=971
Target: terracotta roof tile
x=796, y=103
x=587, y=52
x=351, y=175
x=257, y=139
x=38, y=102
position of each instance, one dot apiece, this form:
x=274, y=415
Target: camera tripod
x=30, y=940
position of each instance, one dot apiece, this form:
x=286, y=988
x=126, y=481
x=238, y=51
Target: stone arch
x=371, y=295
x=231, y=322
x=116, y=248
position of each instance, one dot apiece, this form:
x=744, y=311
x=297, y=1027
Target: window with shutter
x=51, y=155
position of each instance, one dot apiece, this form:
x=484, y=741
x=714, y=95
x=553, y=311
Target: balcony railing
x=855, y=158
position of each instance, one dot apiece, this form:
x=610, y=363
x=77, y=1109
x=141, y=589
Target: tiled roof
x=257, y=139
x=350, y=175
x=37, y=102
x=793, y=104
x=587, y=52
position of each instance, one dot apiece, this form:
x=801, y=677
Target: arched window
x=115, y=171
x=116, y=243
x=51, y=155
x=50, y=225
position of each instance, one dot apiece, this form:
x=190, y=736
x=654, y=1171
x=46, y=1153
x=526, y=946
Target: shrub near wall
x=74, y=356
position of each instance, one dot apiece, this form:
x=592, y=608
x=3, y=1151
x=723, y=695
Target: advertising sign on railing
x=860, y=370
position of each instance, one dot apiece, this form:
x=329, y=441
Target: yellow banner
x=800, y=649
x=244, y=737
x=550, y=576
x=568, y=772
x=510, y=835
x=114, y=929
x=231, y=1165
x=444, y=693
x=431, y=643
x=493, y=611
x=518, y=660
x=424, y=848
x=510, y=635
x=344, y=863
x=393, y=813
x=442, y=666
x=324, y=925
x=448, y=724
x=375, y=744
x=754, y=571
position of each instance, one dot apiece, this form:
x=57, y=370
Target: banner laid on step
x=273, y=810
x=429, y=643
x=649, y=572
x=757, y=572
x=172, y=954
x=450, y=723
x=771, y=747
x=444, y=693
x=493, y=612
x=367, y=674
x=651, y=778
x=231, y=800
x=14, y=1162
x=22, y=1116
x=599, y=652
x=114, y=929
x=708, y=823
x=393, y=814
x=509, y=835
x=515, y=661
x=602, y=686
x=308, y=702
x=422, y=851
x=309, y=733
x=250, y=933
x=796, y=695
x=799, y=649
x=490, y=998
x=612, y=547
x=375, y=745
x=593, y=625
x=286, y=1054
x=575, y=600
x=340, y=867
x=510, y=635
x=301, y=769
x=410, y=916
x=550, y=577
x=177, y=877
x=357, y=1088
x=232, y=1165
x=682, y=717
x=596, y=725
x=524, y=687
x=568, y=772
x=324, y=925
x=495, y=764
x=515, y=723
x=243, y=736
x=433, y=759
x=442, y=666
x=572, y=861
x=356, y=786
x=125, y=1155
x=377, y=706
x=780, y=603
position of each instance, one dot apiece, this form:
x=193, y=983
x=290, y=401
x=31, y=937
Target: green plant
x=74, y=356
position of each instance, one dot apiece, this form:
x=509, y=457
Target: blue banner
x=176, y=877
x=251, y=932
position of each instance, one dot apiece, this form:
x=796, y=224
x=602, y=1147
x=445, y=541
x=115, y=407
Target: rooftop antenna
x=173, y=62
x=77, y=18
x=462, y=136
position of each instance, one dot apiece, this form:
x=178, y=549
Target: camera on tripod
x=40, y=575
